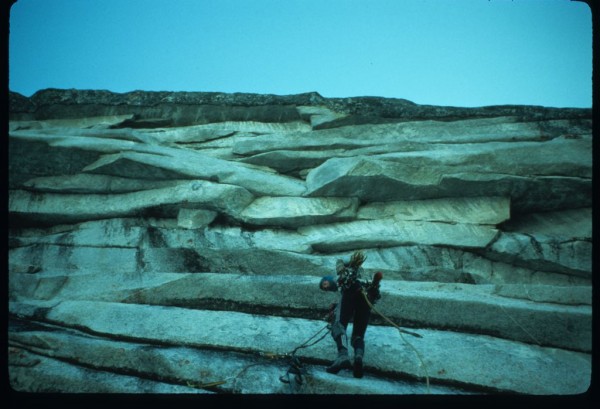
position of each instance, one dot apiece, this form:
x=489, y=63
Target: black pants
x=353, y=306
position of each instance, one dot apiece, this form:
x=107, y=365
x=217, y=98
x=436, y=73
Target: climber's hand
x=373, y=288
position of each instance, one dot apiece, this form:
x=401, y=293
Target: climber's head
x=328, y=284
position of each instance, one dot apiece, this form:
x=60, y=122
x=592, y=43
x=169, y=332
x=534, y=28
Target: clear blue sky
x=440, y=52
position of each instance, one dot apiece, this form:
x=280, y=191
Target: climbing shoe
x=342, y=362
x=358, y=363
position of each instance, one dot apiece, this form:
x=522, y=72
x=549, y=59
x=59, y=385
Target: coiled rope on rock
x=295, y=366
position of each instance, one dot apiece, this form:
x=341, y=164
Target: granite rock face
x=166, y=242
x=558, y=171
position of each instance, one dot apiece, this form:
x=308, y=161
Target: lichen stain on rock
x=155, y=237
x=194, y=262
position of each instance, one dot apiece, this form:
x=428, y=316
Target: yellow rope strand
x=401, y=336
x=520, y=326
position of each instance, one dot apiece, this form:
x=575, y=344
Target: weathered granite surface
x=172, y=242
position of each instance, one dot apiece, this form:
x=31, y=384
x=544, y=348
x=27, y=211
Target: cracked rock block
x=27, y=286
x=258, y=261
x=53, y=375
x=55, y=286
x=228, y=372
x=413, y=136
x=92, y=183
x=544, y=175
x=208, y=132
x=572, y=257
x=319, y=116
x=115, y=232
x=293, y=212
x=195, y=218
x=75, y=259
x=147, y=161
x=32, y=159
x=534, y=371
x=93, y=122
x=572, y=295
x=194, y=165
x=472, y=210
x=173, y=260
x=393, y=232
x=564, y=321
x=446, y=264
x=55, y=208
x=564, y=224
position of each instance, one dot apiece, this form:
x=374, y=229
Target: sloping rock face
x=167, y=242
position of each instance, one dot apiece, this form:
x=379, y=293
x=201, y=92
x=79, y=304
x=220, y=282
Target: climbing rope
x=205, y=385
x=520, y=326
x=299, y=372
x=295, y=373
x=400, y=331
x=307, y=343
x=295, y=366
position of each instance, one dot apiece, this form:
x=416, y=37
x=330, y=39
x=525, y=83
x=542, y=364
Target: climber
x=353, y=306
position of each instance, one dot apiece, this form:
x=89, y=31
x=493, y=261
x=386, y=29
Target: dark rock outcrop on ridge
x=172, y=242
x=206, y=107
